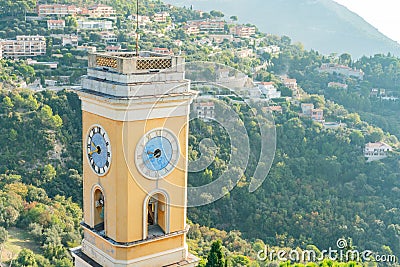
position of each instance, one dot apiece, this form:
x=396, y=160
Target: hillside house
x=54, y=24
x=162, y=51
x=191, y=29
x=268, y=89
x=161, y=17
x=101, y=11
x=143, y=20
x=71, y=40
x=56, y=10
x=243, y=31
x=204, y=110
x=317, y=114
x=94, y=25
x=377, y=151
x=337, y=85
x=108, y=37
x=24, y=46
x=308, y=110
x=208, y=25
x=341, y=69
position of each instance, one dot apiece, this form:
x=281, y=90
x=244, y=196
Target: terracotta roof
x=56, y=21
x=275, y=108
x=267, y=83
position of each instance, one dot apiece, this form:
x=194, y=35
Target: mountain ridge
x=329, y=27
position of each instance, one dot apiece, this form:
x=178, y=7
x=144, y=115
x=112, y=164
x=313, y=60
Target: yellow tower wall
x=124, y=188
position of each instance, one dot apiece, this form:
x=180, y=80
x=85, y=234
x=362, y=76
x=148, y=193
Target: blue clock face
x=157, y=153
x=98, y=150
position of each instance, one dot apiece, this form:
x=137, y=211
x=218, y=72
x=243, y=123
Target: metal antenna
x=137, y=28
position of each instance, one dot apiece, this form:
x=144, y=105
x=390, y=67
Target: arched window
x=156, y=217
x=98, y=210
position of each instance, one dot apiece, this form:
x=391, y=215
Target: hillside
x=322, y=25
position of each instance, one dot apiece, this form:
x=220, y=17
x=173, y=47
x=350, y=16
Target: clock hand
x=156, y=153
x=94, y=151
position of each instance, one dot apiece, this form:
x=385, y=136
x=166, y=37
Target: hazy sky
x=382, y=14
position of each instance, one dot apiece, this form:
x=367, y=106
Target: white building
x=162, y=50
x=87, y=48
x=113, y=48
x=55, y=10
x=178, y=43
x=143, y=20
x=243, y=31
x=376, y=151
x=94, y=25
x=307, y=108
x=51, y=65
x=100, y=10
x=341, y=69
x=268, y=89
x=337, y=85
x=55, y=24
x=244, y=53
x=160, y=17
x=191, y=29
x=24, y=46
x=108, y=37
x=208, y=25
x=272, y=49
x=204, y=110
x=71, y=40
x=292, y=84
x=219, y=38
x=316, y=114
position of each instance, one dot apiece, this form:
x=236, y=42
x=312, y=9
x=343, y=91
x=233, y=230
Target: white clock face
x=98, y=150
x=157, y=153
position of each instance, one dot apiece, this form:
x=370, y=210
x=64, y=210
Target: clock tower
x=135, y=138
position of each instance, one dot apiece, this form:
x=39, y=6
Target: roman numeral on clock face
x=98, y=150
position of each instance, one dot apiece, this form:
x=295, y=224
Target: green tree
x=71, y=21
x=67, y=59
x=234, y=18
x=26, y=258
x=7, y=104
x=215, y=257
x=94, y=37
x=63, y=263
x=3, y=235
x=345, y=59
x=217, y=14
x=240, y=260
x=48, y=174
